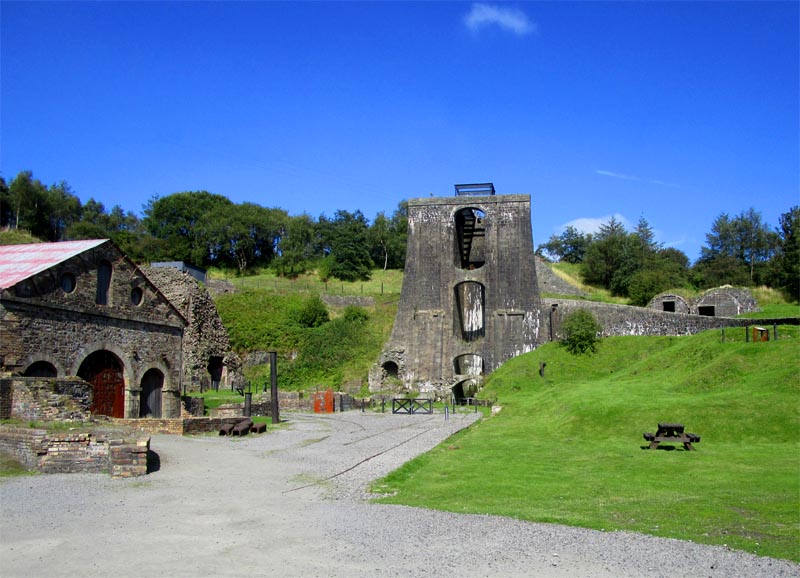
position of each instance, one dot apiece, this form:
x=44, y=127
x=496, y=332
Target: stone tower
x=470, y=300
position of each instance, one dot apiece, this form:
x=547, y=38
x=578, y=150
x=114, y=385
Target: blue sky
x=673, y=111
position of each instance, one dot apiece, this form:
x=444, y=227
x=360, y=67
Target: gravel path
x=291, y=503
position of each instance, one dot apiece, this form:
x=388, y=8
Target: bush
x=581, y=331
x=355, y=314
x=313, y=313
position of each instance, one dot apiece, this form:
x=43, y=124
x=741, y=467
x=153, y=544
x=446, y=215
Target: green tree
x=743, y=242
x=610, y=258
x=387, y=238
x=297, y=246
x=241, y=235
x=581, y=332
x=785, y=265
x=344, y=240
x=570, y=246
x=175, y=218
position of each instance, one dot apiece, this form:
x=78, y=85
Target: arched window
x=469, y=302
x=41, y=369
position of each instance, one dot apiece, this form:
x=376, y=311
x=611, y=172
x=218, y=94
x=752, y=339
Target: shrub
x=355, y=314
x=581, y=331
x=313, y=313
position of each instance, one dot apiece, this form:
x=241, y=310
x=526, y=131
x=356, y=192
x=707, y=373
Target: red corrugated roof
x=18, y=262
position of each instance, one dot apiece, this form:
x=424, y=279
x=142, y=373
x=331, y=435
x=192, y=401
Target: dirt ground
x=290, y=503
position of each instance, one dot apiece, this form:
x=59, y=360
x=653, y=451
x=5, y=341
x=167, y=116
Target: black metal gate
x=412, y=406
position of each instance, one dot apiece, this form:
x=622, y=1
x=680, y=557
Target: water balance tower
x=470, y=300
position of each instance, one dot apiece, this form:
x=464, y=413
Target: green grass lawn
x=568, y=448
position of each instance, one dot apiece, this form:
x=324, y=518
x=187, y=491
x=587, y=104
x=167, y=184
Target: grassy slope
x=568, y=448
x=260, y=318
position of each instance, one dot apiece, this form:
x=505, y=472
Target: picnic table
x=672, y=433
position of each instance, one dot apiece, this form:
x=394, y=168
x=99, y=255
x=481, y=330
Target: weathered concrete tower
x=470, y=299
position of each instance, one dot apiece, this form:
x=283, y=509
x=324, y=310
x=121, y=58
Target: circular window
x=137, y=294
x=68, y=282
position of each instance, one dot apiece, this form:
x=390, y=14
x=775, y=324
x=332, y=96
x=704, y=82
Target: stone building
x=82, y=308
x=469, y=300
x=725, y=301
x=208, y=361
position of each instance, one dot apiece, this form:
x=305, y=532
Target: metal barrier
x=412, y=406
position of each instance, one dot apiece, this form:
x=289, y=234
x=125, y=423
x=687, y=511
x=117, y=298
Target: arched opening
x=103, y=370
x=150, y=401
x=468, y=364
x=470, y=238
x=41, y=369
x=465, y=391
x=391, y=369
x=215, y=371
x=103, y=282
x=469, y=301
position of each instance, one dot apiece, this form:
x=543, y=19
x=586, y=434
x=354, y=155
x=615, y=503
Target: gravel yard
x=290, y=503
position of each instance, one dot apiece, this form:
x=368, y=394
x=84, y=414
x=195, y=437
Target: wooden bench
x=671, y=433
x=242, y=428
x=226, y=429
x=258, y=428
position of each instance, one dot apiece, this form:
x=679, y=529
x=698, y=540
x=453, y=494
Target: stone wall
x=550, y=282
x=180, y=426
x=628, y=320
x=205, y=338
x=62, y=453
x=46, y=399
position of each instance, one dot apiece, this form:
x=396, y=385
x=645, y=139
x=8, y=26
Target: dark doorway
x=215, y=371
x=41, y=369
x=104, y=371
x=669, y=306
x=391, y=369
x=150, y=402
x=707, y=310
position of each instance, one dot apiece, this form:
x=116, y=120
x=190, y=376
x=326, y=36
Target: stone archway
x=41, y=369
x=104, y=371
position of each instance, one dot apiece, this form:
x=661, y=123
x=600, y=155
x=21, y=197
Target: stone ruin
x=208, y=361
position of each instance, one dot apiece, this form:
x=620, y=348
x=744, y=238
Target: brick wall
x=62, y=453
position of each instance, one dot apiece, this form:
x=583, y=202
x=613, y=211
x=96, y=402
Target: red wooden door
x=108, y=393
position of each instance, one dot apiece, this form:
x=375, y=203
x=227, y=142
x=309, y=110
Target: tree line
x=742, y=250
x=210, y=230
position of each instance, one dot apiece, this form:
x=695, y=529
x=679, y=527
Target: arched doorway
x=150, y=402
x=104, y=371
x=215, y=366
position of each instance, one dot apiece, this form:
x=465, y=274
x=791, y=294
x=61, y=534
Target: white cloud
x=625, y=177
x=592, y=224
x=512, y=19
x=618, y=176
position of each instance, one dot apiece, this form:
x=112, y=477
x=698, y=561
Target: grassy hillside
x=568, y=447
x=267, y=315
